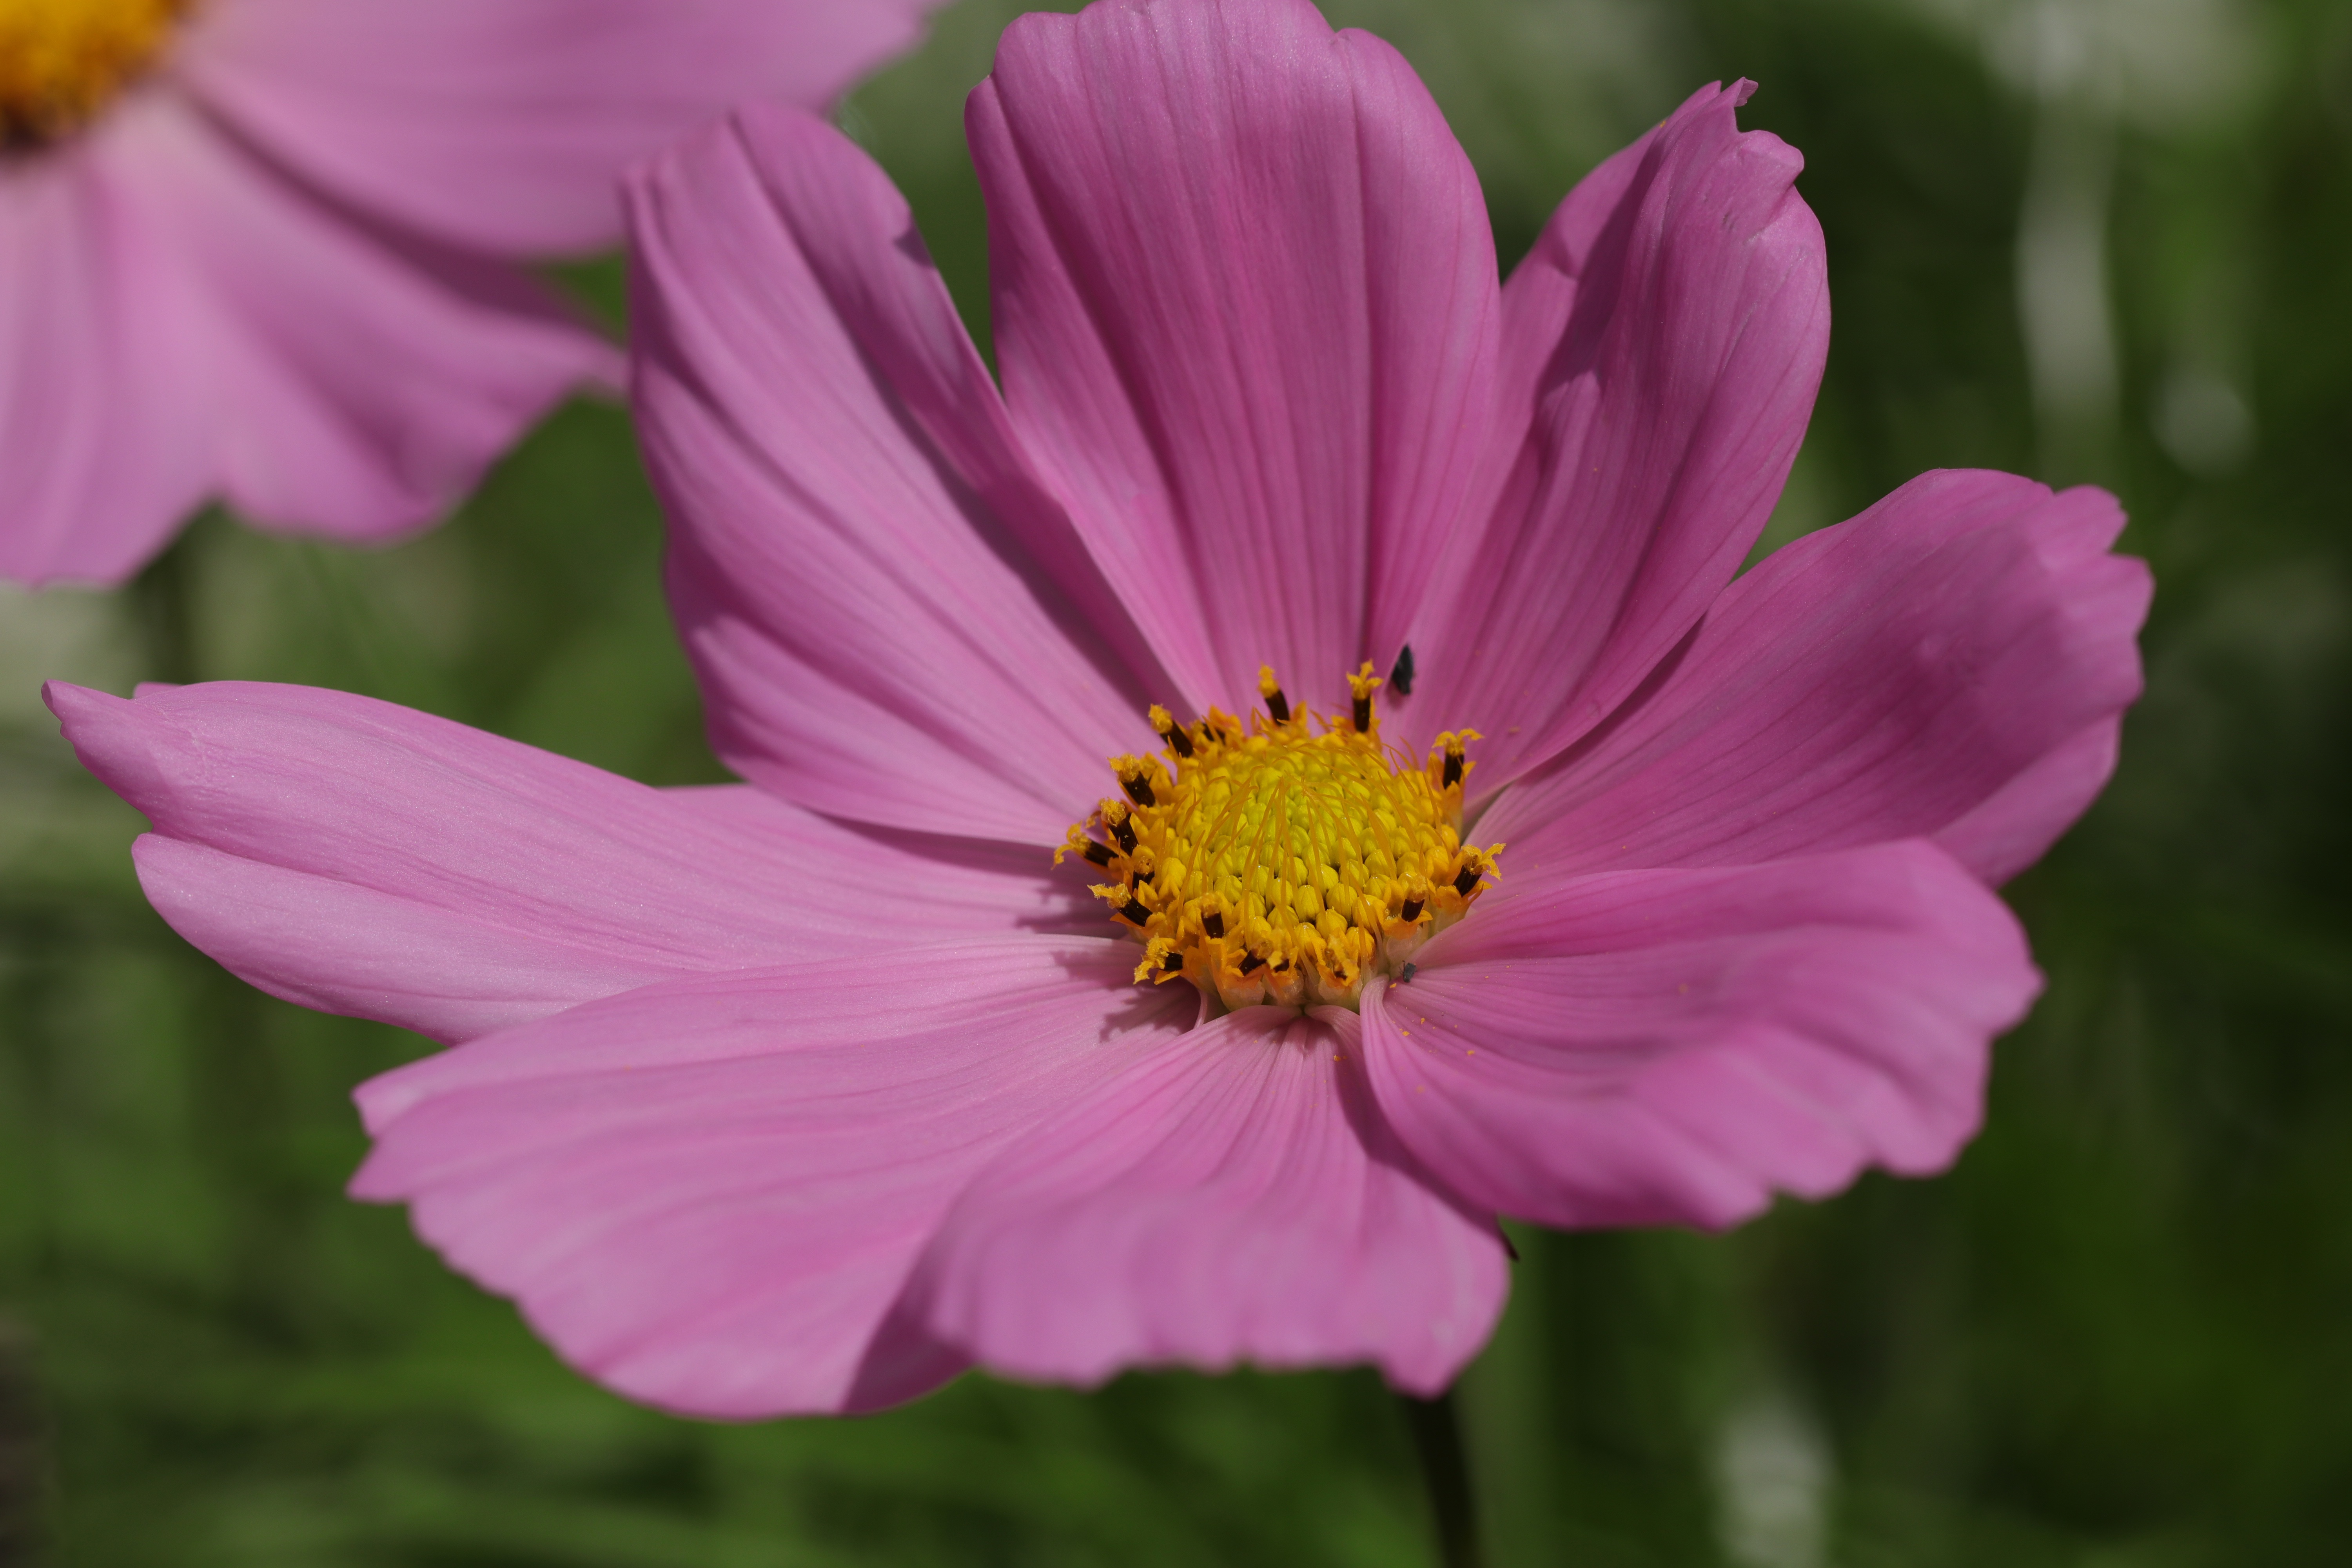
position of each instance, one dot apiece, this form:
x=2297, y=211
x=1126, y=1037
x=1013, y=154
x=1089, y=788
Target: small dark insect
x=1405, y=976
x=1402, y=676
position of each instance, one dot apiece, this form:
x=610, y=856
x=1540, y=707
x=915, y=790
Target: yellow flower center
x=1285, y=861
x=61, y=61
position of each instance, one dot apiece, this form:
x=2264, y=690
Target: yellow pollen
x=1287, y=859
x=61, y=61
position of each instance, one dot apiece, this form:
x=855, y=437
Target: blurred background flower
x=2115, y=1334
x=263, y=249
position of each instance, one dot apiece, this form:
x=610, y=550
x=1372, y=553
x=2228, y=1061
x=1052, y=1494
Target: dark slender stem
x=165, y=595
x=1437, y=1439
x=23, y=1469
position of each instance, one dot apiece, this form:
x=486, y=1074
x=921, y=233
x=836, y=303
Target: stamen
x=1401, y=675
x=1135, y=778
x=1283, y=862
x=1363, y=683
x=1170, y=731
x=1162, y=961
x=1276, y=704
x=1449, y=757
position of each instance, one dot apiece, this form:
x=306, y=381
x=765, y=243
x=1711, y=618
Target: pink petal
x=1233, y=1196
x=1951, y=662
x=359, y=858
x=708, y=1194
x=892, y=621
x=1668, y=332
x=1245, y=311
x=502, y=125
x=1670, y=1048
x=360, y=380
x=2015, y=826
x=106, y=438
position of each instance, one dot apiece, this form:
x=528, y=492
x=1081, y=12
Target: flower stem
x=1437, y=1439
x=163, y=599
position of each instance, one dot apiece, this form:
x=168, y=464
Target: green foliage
x=2115, y=1334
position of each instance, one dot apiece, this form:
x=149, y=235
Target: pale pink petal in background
x=1686, y=330
x=864, y=573
x=1880, y=679
x=106, y=422
x=362, y=857
x=502, y=125
x=1245, y=311
x=708, y=1195
x=1672, y=1048
x=357, y=379
x=1234, y=1196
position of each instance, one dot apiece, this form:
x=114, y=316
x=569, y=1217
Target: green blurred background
x=2104, y=241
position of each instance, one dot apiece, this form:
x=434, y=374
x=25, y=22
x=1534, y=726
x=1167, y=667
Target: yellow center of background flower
x=1285, y=860
x=61, y=61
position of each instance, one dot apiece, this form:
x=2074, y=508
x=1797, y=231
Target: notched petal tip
x=1664, y=341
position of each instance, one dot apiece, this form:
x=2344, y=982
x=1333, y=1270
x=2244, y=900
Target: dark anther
x=1364, y=714
x=1124, y=832
x=1252, y=961
x=1139, y=790
x=1411, y=912
x=1141, y=877
x=1213, y=923
x=1404, y=976
x=1172, y=963
x=1453, y=769
x=1098, y=853
x=1135, y=911
x=1176, y=737
x=1278, y=705
x=1467, y=881
x=1402, y=676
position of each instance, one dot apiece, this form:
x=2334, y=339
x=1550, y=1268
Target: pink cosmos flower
x=805, y=1093
x=264, y=249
